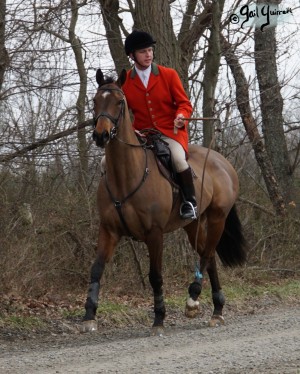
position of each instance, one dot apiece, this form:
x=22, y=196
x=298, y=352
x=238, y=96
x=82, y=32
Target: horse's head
x=109, y=103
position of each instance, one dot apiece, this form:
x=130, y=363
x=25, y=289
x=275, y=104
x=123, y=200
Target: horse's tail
x=232, y=245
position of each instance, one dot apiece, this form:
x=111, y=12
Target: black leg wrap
x=91, y=304
x=159, y=310
x=218, y=301
x=93, y=293
x=195, y=290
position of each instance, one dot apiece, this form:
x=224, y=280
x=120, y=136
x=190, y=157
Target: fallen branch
x=42, y=142
x=257, y=206
x=277, y=270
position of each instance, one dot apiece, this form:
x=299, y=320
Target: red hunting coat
x=159, y=104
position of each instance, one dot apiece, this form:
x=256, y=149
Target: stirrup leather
x=192, y=214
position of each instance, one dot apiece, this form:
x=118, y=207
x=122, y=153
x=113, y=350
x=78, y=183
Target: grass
x=253, y=284
x=244, y=292
x=28, y=323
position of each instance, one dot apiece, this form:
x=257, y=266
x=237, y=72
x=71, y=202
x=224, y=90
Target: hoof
x=158, y=331
x=192, y=308
x=88, y=326
x=216, y=321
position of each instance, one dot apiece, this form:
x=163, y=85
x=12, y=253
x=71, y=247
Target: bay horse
x=135, y=199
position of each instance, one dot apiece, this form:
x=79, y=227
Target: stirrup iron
x=192, y=214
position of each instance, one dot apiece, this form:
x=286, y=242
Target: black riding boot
x=188, y=209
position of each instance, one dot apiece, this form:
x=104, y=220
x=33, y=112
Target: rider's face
x=143, y=57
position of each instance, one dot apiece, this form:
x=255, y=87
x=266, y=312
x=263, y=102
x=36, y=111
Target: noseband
x=115, y=121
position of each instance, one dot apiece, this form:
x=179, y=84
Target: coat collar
x=154, y=70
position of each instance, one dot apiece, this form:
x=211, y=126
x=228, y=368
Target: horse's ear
x=99, y=77
x=122, y=78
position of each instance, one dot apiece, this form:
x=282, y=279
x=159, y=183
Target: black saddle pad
x=159, y=147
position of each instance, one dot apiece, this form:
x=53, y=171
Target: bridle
x=115, y=120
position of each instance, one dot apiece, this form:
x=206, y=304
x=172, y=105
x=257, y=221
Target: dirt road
x=258, y=343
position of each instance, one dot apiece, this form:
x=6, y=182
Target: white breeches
x=178, y=154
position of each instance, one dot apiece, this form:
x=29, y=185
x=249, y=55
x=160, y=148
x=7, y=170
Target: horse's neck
x=125, y=159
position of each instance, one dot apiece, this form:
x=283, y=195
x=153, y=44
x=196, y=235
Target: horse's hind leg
x=106, y=245
x=205, y=237
x=195, y=232
x=217, y=294
x=154, y=243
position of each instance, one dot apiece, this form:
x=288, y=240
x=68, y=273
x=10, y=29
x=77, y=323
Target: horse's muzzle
x=101, y=139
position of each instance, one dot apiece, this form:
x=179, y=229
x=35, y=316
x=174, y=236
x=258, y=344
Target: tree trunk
x=262, y=158
x=80, y=104
x=155, y=18
x=272, y=106
x=189, y=35
x=112, y=23
x=3, y=52
x=210, y=78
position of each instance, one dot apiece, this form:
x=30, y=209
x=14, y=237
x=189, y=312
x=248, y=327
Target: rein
x=118, y=203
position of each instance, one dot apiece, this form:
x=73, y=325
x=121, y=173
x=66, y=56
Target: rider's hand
x=179, y=121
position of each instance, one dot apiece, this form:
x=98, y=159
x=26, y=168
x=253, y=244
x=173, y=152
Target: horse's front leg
x=154, y=243
x=106, y=244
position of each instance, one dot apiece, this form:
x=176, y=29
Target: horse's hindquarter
x=220, y=185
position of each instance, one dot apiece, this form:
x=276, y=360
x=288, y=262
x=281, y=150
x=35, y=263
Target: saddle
x=162, y=154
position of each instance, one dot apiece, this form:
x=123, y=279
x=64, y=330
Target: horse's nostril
x=101, y=139
x=105, y=136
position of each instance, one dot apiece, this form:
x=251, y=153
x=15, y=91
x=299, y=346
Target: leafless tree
x=3, y=51
x=272, y=105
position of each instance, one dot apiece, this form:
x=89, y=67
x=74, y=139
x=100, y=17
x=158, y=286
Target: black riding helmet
x=138, y=40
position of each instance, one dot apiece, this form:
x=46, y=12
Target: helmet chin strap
x=136, y=61
x=133, y=58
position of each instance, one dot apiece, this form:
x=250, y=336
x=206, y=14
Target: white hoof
x=192, y=308
x=158, y=331
x=88, y=326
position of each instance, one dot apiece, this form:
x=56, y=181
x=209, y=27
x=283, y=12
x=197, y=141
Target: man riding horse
x=157, y=99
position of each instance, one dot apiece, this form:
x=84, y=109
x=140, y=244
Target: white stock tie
x=145, y=79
